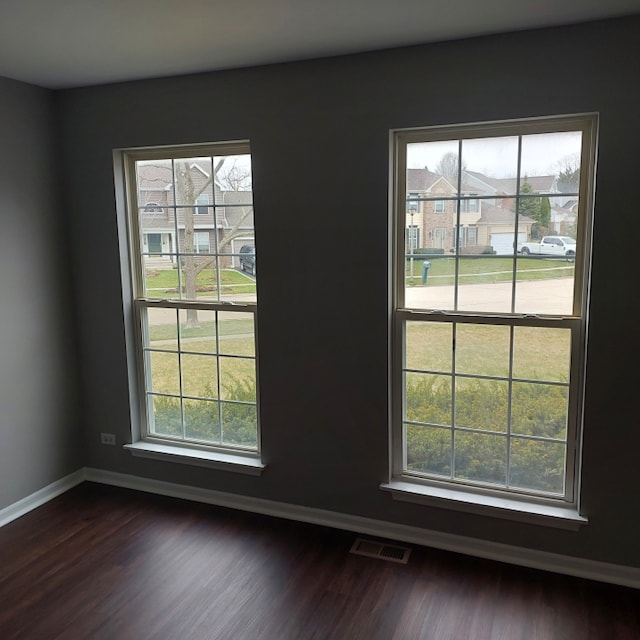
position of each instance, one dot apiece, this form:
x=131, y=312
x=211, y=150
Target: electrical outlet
x=108, y=438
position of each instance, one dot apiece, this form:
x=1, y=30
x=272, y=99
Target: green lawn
x=205, y=329
x=489, y=269
x=163, y=283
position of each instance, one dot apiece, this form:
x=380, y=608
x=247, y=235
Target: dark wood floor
x=106, y=563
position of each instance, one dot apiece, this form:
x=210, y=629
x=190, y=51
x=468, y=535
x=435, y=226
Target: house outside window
x=488, y=366
x=197, y=386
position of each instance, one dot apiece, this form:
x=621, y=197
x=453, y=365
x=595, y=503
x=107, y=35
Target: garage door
x=502, y=243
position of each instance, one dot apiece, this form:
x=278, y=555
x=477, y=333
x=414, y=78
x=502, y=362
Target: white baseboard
x=556, y=563
x=579, y=567
x=20, y=508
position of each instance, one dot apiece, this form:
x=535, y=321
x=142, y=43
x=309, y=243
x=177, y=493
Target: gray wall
x=39, y=440
x=320, y=132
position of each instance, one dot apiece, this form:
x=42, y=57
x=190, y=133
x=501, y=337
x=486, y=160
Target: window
x=438, y=206
x=195, y=311
x=202, y=243
x=488, y=353
x=468, y=236
x=413, y=238
x=202, y=201
x=152, y=207
x=470, y=205
x=413, y=204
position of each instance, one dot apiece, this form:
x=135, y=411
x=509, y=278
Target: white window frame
x=528, y=506
x=145, y=443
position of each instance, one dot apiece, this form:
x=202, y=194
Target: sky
x=497, y=157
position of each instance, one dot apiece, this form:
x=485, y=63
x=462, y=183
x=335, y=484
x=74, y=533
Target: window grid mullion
x=454, y=330
x=514, y=277
x=218, y=376
x=509, y=406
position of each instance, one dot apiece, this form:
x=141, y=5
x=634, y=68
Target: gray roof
x=489, y=214
x=423, y=179
x=507, y=186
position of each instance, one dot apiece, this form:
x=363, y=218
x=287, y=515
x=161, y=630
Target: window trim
x=143, y=443
x=474, y=498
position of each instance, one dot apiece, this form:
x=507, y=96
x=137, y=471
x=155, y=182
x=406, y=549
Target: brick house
x=487, y=215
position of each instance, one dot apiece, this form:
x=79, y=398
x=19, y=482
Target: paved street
x=552, y=296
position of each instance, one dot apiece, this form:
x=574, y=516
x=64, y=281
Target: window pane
x=530, y=342
x=545, y=285
x=428, y=398
x=485, y=284
x=154, y=185
x=538, y=466
x=197, y=240
x=192, y=179
x=160, y=276
x=428, y=449
x=482, y=404
x=199, y=376
x=539, y=410
x=162, y=328
x=555, y=157
x=429, y=281
x=429, y=346
x=233, y=181
x=239, y=424
x=237, y=333
x=482, y=349
x=166, y=416
x=201, y=420
x=497, y=232
x=432, y=166
x=199, y=277
x=490, y=164
x=481, y=457
x=238, y=379
x=164, y=372
x=198, y=330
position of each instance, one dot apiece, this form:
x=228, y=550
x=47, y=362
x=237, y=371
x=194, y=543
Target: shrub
x=427, y=251
x=202, y=421
x=537, y=409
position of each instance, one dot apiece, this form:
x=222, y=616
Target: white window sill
x=196, y=457
x=521, y=510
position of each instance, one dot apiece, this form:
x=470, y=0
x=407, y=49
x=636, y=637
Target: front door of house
x=154, y=242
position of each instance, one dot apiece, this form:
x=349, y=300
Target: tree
x=539, y=209
x=448, y=167
x=234, y=178
x=568, y=169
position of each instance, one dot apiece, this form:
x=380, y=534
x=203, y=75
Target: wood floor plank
x=103, y=563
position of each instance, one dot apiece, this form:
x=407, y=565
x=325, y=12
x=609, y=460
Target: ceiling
x=70, y=43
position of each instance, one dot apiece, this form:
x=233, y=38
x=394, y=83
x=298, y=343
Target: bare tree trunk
x=191, y=264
